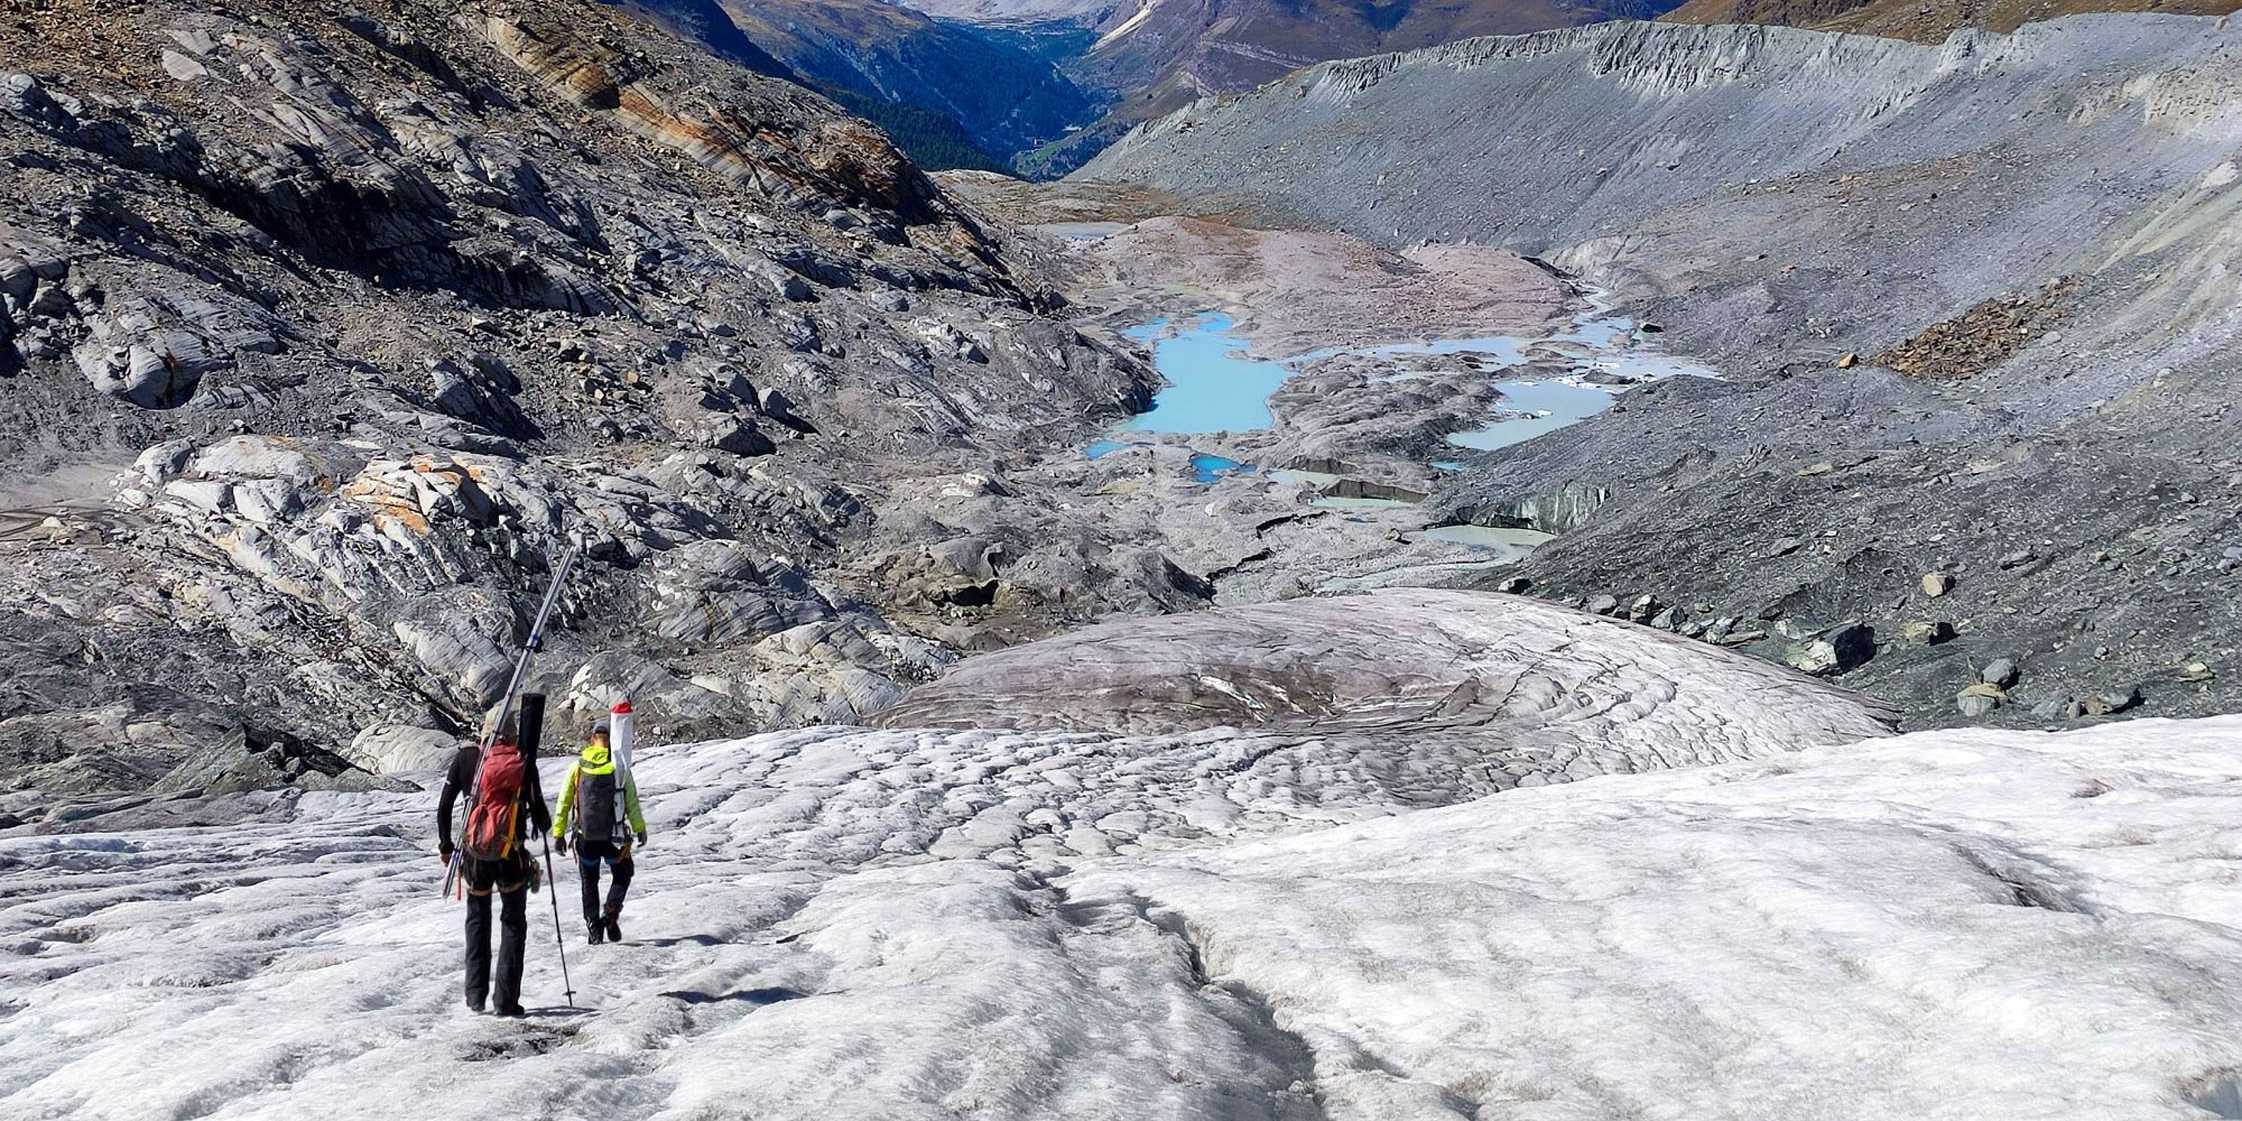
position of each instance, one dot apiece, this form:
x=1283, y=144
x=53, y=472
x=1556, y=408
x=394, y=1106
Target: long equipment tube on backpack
x=513, y=688
x=532, y=737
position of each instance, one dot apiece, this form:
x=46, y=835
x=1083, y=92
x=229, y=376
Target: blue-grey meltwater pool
x=1213, y=386
x=1532, y=408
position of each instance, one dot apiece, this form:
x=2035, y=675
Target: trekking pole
x=513, y=687
x=533, y=737
x=559, y=942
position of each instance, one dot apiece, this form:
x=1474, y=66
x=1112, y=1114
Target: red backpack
x=494, y=820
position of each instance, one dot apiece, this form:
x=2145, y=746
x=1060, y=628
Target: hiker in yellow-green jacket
x=600, y=809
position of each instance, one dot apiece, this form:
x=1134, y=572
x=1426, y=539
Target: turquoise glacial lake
x=1213, y=386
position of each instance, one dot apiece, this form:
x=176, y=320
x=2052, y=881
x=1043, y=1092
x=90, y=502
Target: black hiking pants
x=509, y=880
x=618, y=858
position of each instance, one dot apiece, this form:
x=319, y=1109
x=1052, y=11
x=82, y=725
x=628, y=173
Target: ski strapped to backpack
x=511, y=804
x=622, y=736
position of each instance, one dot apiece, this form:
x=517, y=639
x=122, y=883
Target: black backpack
x=595, y=800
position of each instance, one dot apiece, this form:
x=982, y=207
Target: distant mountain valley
x=1038, y=87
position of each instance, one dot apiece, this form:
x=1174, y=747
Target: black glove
x=642, y=840
x=445, y=850
x=561, y=843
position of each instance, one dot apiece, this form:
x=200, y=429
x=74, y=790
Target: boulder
x=202, y=494
x=1999, y=673
x=388, y=749
x=1843, y=648
x=1926, y=632
x=736, y=435
x=243, y=761
x=165, y=461
x=2106, y=703
x=478, y=397
x=51, y=301
x=776, y=405
x=1936, y=584
x=1811, y=657
x=154, y=348
x=1979, y=700
x=182, y=68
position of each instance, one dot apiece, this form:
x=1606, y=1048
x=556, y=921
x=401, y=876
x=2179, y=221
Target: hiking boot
x=594, y=931
x=614, y=924
x=475, y=1006
x=512, y=1012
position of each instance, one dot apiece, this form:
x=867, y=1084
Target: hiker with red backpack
x=599, y=806
x=505, y=803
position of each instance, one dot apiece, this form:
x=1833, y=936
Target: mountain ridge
x=901, y=68
x=1922, y=22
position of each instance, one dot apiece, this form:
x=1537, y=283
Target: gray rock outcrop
x=368, y=322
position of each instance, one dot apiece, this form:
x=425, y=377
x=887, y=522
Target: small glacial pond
x=1535, y=407
x=1335, y=502
x=1490, y=537
x=1205, y=467
x=1213, y=386
x=1083, y=231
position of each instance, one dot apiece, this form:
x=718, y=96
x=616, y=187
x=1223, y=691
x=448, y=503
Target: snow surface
x=1515, y=690
x=848, y=923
